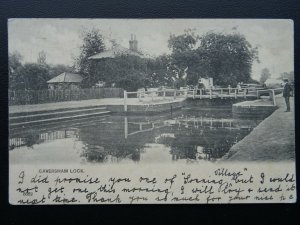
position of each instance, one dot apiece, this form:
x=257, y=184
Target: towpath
x=272, y=140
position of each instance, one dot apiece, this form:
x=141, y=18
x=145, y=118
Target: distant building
x=118, y=50
x=65, y=81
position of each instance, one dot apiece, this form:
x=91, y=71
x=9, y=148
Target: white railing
x=154, y=95
x=222, y=93
x=271, y=92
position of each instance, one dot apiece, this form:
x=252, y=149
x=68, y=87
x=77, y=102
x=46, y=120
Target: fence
x=47, y=96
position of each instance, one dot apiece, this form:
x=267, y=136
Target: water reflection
x=188, y=135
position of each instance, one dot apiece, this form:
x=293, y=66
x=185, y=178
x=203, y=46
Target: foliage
x=14, y=67
x=227, y=58
x=265, y=75
x=93, y=43
x=184, y=42
x=32, y=76
x=127, y=72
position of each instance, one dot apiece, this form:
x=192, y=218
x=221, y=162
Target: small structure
x=65, y=80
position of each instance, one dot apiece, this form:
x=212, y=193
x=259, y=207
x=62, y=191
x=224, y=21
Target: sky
x=60, y=39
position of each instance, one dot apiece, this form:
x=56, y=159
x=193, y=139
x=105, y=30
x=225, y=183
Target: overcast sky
x=60, y=38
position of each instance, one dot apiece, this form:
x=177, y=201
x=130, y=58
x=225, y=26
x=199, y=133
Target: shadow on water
x=190, y=135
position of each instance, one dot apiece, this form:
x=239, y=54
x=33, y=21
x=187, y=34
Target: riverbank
x=272, y=140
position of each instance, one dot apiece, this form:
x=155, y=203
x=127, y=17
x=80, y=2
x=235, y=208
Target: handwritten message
x=138, y=185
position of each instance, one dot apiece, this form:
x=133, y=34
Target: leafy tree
x=93, y=43
x=265, y=75
x=184, y=42
x=128, y=72
x=227, y=58
x=15, y=65
x=33, y=77
x=184, y=57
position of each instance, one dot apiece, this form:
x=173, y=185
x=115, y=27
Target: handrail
x=271, y=94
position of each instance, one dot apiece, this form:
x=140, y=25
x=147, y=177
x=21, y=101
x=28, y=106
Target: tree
x=93, y=43
x=265, y=75
x=227, y=58
x=33, y=76
x=128, y=72
x=15, y=65
x=184, y=58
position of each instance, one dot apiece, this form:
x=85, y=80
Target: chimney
x=133, y=43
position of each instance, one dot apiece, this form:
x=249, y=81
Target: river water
x=188, y=135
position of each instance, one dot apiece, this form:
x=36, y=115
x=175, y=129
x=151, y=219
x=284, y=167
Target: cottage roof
x=66, y=78
x=116, y=51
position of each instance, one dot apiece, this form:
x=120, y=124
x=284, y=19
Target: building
x=65, y=80
x=118, y=50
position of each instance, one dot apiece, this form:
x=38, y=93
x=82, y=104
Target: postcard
x=151, y=111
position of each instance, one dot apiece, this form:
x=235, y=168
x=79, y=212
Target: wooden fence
x=47, y=96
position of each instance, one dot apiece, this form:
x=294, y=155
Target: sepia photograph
x=114, y=94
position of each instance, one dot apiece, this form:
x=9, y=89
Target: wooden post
x=245, y=91
x=274, y=98
x=139, y=93
x=210, y=94
x=200, y=93
x=164, y=93
x=193, y=93
x=125, y=127
x=235, y=94
x=175, y=94
x=125, y=101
